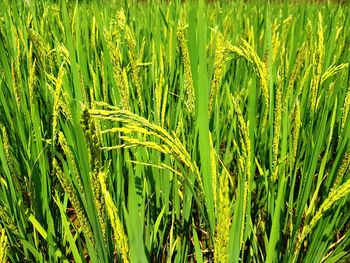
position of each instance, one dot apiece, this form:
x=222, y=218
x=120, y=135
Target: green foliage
x=174, y=132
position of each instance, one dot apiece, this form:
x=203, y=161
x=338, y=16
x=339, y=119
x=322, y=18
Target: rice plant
x=174, y=131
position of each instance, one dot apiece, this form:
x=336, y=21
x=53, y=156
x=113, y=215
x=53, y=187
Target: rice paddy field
x=178, y=131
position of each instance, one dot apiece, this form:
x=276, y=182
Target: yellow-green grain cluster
x=3, y=246
x=189, y=88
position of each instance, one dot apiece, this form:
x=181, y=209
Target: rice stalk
x=64, y=53
x=16, y=89
x=92, y=137
x=276, y=43
x=333, y=70
x=158, y=82
x=296, y=130
x=42, y=49
x=74, y=199
x=190, y=100
x=303, y=81
x=318, y=61
x=103, y=82
x=134, y=60
x=121, y=239
x=277, y=125
x=346, y=108
x=223, y=220
x=56, y=102
x=300, y=59
x=170, y=49
x=119, y=73
x=6, y=219
x=17, y=67
x=10, y=162
x=84, y=94
x=3, y=246
x=164, y=106
x=69, y=156
x=32, y=75
x=344, y=166
x=134, y=124
x=94, y=91
x=219, y=61
x=93, y=33
x=334, y=195
x=247, y=52
x=244, y=161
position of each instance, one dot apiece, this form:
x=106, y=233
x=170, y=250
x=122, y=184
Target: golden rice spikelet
x=64, y=108
x=345, y=165
x=223, y=220
x=56, y=100
x=42, y=49
x=3, y=246
x=158, y=82
x=296, y=69
x=134, y=60
x=318, y=61
x=133, y=124
x=32, y=75
x=8, y=221
x=250, y=34
x=276, y=43
x=73, y=197
x=245, y=160
x=121, y=19
x=64, y=53
x=121, y=238
x=179, y=126
x=286, y=24
x=92, y=137
x=84, y=93
x=119, y=73
x=9, y=160
x=93, y=33
x=330, y=89
x=170, y=53
x=158, y=96
x=296, y=130
x=16, y=90
x=125, y=90
x=247, y=52
x=189, y=88
x=219, y=62
x=334, y=195
x=103, y=82
x=165, y=100
x=18, y=63
x=69, y=155
x=95, y=87
x=338, y=32
x=214, y=175
x=277, y=123
x=303, y=80
x=333, y=70
x=346, y=108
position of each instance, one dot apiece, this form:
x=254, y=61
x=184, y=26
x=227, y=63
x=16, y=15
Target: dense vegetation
x=174, y=132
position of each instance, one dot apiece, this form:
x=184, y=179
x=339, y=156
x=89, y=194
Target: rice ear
x=189, y=88
x=3, y=246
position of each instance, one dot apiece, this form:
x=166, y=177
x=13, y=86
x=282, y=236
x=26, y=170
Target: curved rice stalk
x=334, y=195
x=121, y=239
x=134, y=124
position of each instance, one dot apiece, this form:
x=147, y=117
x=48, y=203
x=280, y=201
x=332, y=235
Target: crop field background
x=174, y=131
